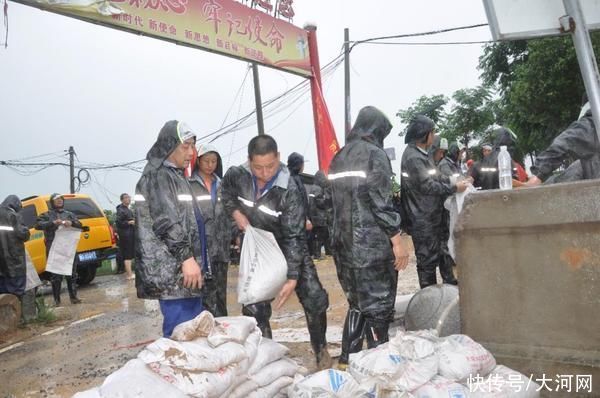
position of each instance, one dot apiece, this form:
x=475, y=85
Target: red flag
x=327, y=143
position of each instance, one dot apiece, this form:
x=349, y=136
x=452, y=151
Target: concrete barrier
x=530, y=278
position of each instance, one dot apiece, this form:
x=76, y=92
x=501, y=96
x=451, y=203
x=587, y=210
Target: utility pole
x=258, y=100
x=72, y=168
x=347, y=115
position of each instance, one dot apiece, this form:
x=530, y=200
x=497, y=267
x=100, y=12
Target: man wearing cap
x=438, y=149
x=49, y=222
x=206, y=187
x=423, y=189
x=475, y=171
x=168, y=241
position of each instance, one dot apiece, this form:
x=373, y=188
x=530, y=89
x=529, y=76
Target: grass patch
x=105, y=269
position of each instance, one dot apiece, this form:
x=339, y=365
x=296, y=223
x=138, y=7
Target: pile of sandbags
x=419, y=364
x=206, y=357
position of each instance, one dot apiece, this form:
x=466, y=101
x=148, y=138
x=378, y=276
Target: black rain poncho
x=45, y=221
x=364, y=220
x=449, y=165
x=578, y=141
x=166, y=232
x=13, y=234
x=486, y=172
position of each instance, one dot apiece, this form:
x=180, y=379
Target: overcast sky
x=107, y=93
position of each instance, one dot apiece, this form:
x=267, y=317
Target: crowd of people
x=179, y=233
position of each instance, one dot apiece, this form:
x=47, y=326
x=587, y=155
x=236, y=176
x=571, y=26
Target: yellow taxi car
x=96, y=244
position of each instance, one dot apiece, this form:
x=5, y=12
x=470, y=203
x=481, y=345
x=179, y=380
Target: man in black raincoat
x=13, y=235
x=262, y=193
x=450, y=164
x=424, y=189
x=168, y=226
x=125, y=229
x=49, y=222
x=367, y=248
x=578, y=141
x=321, y=215
x=206, y=186
x=487, y=177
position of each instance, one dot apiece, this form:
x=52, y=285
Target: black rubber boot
x=56, y=283
x=377, y=333
x=447, y=270
x=262, y=313
x=353, y=335
x=72, y=288
x=317, y=328
x=426, y=278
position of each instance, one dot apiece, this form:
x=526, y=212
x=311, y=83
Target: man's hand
x=533, y=182
x=400, y=253
x=240, y=219
x=57, y=222
x=131, y=222
x=192, y=275
x=67, y=223
x=285, y=293
x=461, y=186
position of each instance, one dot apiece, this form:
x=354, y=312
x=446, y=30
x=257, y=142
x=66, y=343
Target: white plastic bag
x=195, y=355
x=33, y=280
x=268, y=351
x=271, y=390
x=460, y=356
x=62, y=252
x=454, y=205
x=263, y=269
x=231, y=328
x=275, y=370
x=440, y=387
x=325, y=384
x=196, y=384
x=200, y=326
x=502, y=382
x=135, y=379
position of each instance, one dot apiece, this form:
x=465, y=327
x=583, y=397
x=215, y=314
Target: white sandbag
x=502, y=382
x=268, y=351
x=135, y=379
x=440, y=387
x=386, y=368
x=275, y=370
x=231, y=328
x=263, y=269
x=33, y=280
x=62, y=252
x=271, y=390
x=461, y=356
x=252, y=343
x=196, y=384
x=242, y=390
x=91, y=393
x=326, y=383
x=195, y=355
x=200, y=326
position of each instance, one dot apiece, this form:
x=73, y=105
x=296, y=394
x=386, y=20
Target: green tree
x=540, y=86
x=432, y=107
x=470, y=116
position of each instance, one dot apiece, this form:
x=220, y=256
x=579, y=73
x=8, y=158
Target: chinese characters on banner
x=224, y=26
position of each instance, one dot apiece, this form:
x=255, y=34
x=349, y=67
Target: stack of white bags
x=205, y=357
x=421, y=365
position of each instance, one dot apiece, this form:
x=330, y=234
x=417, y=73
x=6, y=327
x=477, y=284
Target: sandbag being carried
x=460, y=356
x=263, y=269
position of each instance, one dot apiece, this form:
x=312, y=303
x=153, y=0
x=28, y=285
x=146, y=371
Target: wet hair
x=262, y=145
x=122, y=196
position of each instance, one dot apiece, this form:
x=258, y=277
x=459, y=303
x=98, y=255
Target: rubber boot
x=72, y=288
x=377, y=333
x=262, y=313
x=317, y=328
x=426, y=278
x=352, y=337
x=56, y=283
x=447, y=270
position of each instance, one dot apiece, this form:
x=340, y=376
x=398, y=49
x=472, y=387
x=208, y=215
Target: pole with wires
x=72, y=169
x=347, y=115
x=259, y=114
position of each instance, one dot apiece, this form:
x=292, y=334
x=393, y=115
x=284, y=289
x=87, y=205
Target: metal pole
x=259, y=114
x=72, y=169
x=347, y=115
x=585, y=56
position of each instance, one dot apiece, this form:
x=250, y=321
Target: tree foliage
x=471, y=115
x=432, y=107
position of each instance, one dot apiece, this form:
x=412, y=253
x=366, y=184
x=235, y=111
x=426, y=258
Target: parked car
x=96, y=244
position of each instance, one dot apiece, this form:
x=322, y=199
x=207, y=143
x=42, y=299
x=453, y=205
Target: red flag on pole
x=327, y=143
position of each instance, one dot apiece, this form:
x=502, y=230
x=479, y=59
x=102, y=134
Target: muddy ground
x=89, y=341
